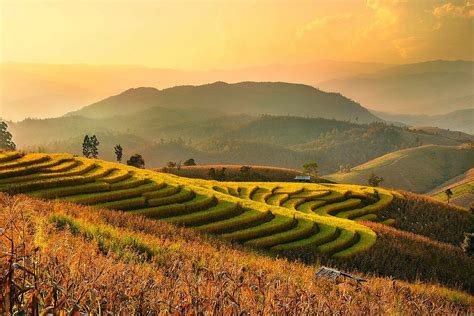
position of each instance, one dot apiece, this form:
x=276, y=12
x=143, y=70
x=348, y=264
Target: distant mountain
x=147, y=124
x=433, y=87
x=275, y=98
x=418, y=169
x=461, y=120
x=48, y=90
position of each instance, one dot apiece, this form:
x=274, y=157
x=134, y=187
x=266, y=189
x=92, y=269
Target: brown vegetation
x=267, y=173
x=431, y=218
x=412, y=257
x=74, y=258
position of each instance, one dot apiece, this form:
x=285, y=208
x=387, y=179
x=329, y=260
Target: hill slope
x=276, y=98
x=163, y=135
x=433, y=87
x=275, y=216
x=462, y=187
x=195, y=273
x=418, y=169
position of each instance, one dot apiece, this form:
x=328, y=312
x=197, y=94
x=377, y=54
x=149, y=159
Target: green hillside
x=418, y=169
x=462, y=188
x=280, y=217
x=276, y=98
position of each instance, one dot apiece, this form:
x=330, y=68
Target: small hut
x=303, y=178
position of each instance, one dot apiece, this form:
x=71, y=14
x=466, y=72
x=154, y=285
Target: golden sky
x=233, y=34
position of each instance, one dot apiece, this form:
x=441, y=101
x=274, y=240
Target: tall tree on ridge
x=94, y=143
x=86, y=144
x=6, y=142
x=118, y=152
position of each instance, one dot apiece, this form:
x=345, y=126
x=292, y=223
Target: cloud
x=394, y=30
x=324, y=22
x=406, y=46
x=464, y=10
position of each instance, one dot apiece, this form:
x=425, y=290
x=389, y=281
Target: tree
x=374, y=180
x=118, y=152
x=449, y=194
x=171, y=164
x=189, y=162
x=136, y=160
x=86, y=144
x=6, y=142
x=311, y=168
x=94, y=143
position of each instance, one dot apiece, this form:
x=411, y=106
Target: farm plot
x=343, y=201
x=319, y=218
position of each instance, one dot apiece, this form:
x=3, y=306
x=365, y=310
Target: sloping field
x=319, y=218
x=107, y=262
x=462, y=187
x=418, y=169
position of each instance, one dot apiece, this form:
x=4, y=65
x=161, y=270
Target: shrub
x=189, y=162
x=374, y=180
x=137, y=161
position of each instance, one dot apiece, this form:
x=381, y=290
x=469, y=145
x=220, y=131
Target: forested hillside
x=276, y=98
x=282, y=141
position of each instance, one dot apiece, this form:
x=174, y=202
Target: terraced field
x=321, y=218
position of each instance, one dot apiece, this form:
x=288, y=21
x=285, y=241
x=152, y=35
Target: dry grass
x=431, y=218
x=164, y=269
x=412, y=257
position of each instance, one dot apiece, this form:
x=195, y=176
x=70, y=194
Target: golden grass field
x=230, y=258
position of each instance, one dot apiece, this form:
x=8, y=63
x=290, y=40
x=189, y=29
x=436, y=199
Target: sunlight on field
x=278, y=216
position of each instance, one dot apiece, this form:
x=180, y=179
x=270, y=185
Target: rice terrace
x=279, y=216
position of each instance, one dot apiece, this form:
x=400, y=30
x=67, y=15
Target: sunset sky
x=233, y=34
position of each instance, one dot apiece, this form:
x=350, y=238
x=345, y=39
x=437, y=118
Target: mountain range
x=49, y=90
x=174, y=124
x=276, y=98
x=460, y=120
x=433, y=87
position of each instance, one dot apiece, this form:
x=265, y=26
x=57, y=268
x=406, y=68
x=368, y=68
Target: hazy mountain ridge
x=49, y=90
x=460, y=120
x=275, y=98
x=415, y=88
